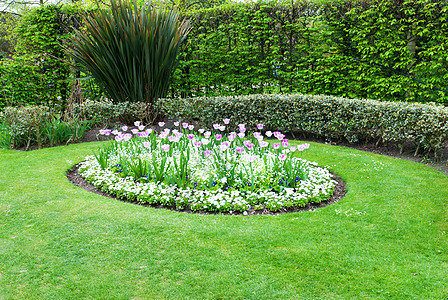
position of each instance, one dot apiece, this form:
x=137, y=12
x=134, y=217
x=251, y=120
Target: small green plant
x=37, y=125
x=5, y=136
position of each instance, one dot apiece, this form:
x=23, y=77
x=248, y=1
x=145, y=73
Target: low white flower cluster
x=317, y=187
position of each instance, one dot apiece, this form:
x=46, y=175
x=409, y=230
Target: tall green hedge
x=384, y=49
x=251, y=48
x=374, y=49
x=39, y=70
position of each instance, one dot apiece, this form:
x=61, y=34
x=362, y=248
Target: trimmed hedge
x=425, y=125
x=387, y=50
x=104, y=111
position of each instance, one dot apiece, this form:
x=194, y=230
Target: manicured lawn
x=58, y=241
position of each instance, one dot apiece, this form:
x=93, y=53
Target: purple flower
x=216, y=126
x=136, y=123
x=207, y=153
x=173, y=138
x=127, y=137
x=142, y=134
x=147, y=144
x=163, y=135
x=231, y=137
x=241, y=135
x=148, y=131
x=303, y=147
x=240, y=149
x=179, y=134
x=248, y=144
x=276, y=145
x=201, y=130
x=134, y=131
x=105, y=131
x=124, y=128
x=184, y=125
x=191, y=127
x=260, y=126
x=197, y=144
x=141, y=127
x=161, y=124
x=115, y=132
x=293, y=148
x=285, y=143
x=242, y=129
x=119, y=137
x=165, y=147
x=282, y=156
x=190, y=136
x=263, y=143
x=218, y=136
x=268, y=133
x=222, y=128
x=224, y=146
x=176, y=123
x=207, y=134
x=226, y=121
x=258, y=135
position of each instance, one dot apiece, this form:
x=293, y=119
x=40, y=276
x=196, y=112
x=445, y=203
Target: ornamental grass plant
x=130, y=51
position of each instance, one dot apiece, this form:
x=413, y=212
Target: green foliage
x=8, y=22
x=5, y=137
x=326, y=116
x=103, y=112
x=20, y=82
x=250, y=48
x=39, y=71
x=37, y=125
x=393, y=50
x=131, y=52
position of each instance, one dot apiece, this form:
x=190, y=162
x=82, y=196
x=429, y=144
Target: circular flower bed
x=205, y=170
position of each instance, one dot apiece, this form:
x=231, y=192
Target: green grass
x=58, y=241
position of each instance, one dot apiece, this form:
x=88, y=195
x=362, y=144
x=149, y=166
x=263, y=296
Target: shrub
x=131, y=52
x=103, y=112
x=37, y=125
x=326, y=116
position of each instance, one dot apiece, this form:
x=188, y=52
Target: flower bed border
x=339, y=192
